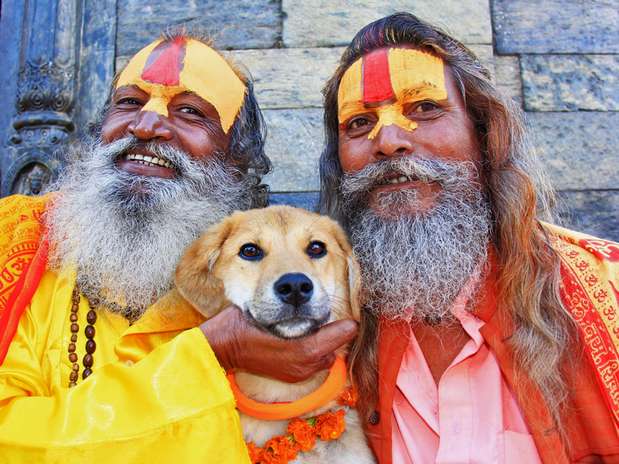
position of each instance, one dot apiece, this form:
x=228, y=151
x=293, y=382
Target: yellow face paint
x=166, y=69
x=385, y=82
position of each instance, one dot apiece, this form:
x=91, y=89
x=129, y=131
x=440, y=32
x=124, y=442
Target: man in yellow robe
x=102, y=362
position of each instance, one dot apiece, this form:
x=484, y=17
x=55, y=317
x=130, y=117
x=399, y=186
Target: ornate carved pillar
x=43, y=124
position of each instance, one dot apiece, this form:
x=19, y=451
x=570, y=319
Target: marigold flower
x=255, y=452
x=301, y=436
x=349, y=397
x=303, y=433
x=330, y=425
x=279, y=450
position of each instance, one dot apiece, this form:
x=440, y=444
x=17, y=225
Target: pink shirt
x=472, y=417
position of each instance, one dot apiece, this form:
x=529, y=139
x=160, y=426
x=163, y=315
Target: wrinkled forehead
x=388, y=74
x=166, y=68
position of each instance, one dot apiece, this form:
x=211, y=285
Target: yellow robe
x=157, y=393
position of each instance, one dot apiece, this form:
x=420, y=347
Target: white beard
x=413, y=266
x=125, y=233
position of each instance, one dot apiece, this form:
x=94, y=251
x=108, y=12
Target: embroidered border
x=592, y=301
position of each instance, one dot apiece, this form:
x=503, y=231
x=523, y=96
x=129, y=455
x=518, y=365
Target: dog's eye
x=251, y=251
x=316, y=249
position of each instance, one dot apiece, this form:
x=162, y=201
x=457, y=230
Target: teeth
x=399, y=180
x=149, y=160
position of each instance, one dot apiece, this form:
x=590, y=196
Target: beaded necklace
x=89, y=331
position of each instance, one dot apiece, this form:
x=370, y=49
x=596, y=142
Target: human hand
x=238, y=344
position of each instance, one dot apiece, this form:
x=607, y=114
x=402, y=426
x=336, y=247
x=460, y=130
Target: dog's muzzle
x=294, y=289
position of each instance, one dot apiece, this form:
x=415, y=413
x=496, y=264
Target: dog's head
x=289, y=270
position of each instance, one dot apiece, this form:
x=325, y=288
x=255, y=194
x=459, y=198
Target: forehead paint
x=164, y=64
x=376, y=81
x=166, y=69
x=385, y=81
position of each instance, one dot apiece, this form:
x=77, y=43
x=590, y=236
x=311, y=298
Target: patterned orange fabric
x=590, y=275
x=21, y=229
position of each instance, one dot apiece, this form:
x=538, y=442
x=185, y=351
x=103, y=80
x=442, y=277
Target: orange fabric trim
x=328, y=391
x=21, y=228
x=21, y=296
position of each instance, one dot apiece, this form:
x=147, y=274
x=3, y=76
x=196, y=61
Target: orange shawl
x=590, y=290
x=23, y=258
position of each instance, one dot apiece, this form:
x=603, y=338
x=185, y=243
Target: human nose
x=393, y=140
x=148, y=125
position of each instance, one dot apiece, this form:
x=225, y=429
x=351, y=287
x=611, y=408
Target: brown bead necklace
x=89, y=331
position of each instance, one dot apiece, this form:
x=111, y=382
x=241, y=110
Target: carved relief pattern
x=45, y=86
x=43, y=125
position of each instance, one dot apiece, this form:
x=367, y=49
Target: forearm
x=176, y=398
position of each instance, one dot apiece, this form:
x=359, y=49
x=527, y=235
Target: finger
x=333, y=335
x=326, y=362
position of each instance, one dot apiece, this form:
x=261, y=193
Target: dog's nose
x=294, y=289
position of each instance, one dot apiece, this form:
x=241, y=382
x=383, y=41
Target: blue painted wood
x=43, y=98
x=11, y=19
x=96, y=58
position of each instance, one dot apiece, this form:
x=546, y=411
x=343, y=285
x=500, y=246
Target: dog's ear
x=194, y=278
x=353, y=271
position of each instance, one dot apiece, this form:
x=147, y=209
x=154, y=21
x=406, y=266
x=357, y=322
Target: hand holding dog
x=238, y=344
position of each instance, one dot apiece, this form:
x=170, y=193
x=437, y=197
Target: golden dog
x=290, y=272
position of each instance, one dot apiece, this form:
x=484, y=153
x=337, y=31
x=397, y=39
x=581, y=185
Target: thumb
x=333, y=335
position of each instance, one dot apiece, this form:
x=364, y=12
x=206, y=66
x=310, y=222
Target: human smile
x=148, y=160
x=144, y=163
x=398, y=179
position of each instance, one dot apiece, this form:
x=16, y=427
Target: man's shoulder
x=590, y=292
x=18, y=207
x=571, y=244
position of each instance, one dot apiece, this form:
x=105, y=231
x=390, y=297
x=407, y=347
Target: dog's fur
x=212, y=274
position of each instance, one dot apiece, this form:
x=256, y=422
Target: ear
x=353, y=270
x=194, y=277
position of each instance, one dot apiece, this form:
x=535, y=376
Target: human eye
x=359, y=125
x=129, y=101
x=425, y=106
x=186, y=109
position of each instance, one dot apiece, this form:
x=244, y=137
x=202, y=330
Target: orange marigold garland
x=301, y=435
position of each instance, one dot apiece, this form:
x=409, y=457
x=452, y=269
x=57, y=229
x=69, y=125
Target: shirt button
x=374, y=418
x=129, y=363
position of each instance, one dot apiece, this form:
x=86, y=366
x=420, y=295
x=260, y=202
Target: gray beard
x=125, y=233
x=413, y=266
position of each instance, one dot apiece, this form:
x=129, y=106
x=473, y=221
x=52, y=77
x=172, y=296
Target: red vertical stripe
x=165, y=63
x=376, y=79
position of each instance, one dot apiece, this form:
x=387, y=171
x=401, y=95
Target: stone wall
x=564, y=56
x=558, y=59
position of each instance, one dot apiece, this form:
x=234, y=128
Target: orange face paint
x=385, y=82
x=166, y=69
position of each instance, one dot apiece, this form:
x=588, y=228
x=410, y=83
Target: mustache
x=448, y=174
x=181, y=162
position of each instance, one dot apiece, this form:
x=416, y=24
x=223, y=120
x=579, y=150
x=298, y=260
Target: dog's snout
x=294, y=288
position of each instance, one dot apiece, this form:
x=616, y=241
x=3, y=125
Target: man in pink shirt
x=476, y=342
